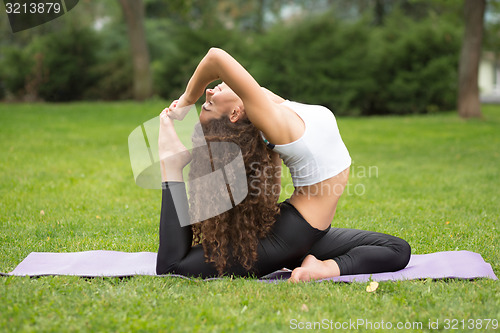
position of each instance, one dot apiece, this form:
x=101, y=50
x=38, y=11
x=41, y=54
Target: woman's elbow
x=215, y=51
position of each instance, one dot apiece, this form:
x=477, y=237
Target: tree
x=133, y=10
x=468, y=90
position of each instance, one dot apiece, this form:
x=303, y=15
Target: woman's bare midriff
x=317, y=203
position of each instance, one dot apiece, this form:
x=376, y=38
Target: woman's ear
x=236, y=114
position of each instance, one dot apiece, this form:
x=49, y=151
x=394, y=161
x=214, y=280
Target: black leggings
x=291, y=239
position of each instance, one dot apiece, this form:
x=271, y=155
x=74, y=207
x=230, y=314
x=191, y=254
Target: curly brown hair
x=232, y=237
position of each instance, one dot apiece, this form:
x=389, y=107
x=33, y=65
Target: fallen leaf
x=42, y=213
x=98, y=217
x=372, y=286
x=447, y=222
x=304, y=308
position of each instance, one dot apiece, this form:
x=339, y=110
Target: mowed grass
x=432, y=180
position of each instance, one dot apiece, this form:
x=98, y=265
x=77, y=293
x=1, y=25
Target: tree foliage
x=402, y=67
x=346, y=58
x=54, y=67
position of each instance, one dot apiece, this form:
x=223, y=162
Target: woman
x=300, y=235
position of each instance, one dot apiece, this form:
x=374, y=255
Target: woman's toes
x=299, y=274
x=294, y=278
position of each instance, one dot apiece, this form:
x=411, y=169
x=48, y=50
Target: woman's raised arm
x=260, y=110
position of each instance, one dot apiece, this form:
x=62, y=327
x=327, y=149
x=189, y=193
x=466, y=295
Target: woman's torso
x=318, y=161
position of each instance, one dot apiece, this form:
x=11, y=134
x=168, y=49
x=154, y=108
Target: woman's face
x=220, y=102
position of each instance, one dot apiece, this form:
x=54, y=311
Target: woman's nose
x=210, y=91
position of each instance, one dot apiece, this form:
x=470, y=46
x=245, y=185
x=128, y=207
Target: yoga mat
x=439, y=265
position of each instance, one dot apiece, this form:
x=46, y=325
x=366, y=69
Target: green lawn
x=432, y=180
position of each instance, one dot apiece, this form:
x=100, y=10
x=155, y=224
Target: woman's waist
x=318, y=202
x=316, y=211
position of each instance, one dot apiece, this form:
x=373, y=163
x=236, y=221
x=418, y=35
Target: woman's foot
x=314, y=269
x=173, y=154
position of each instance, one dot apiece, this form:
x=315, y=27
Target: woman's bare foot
x=314, y=269
x=173, y=154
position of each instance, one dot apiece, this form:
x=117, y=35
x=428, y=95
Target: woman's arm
x=272, y=96
x=260, y=109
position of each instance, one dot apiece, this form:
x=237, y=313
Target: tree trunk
x=379, y=12
x=468, y=90
x=260, y=12
x=133, y=10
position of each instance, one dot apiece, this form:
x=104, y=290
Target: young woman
x=258, y=237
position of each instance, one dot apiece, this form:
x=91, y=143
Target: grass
x=432, y=180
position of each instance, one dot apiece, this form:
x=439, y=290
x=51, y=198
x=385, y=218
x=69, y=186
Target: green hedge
x=416, y=67
x=356, y=68
x=187, y=47
x=399, y=68
x=15, y=67
x=403, y=67
x=54, y=67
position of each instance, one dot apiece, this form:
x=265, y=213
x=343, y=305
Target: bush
x=356, y=68
x=187, y=47
x=112, y=72
x=317, y=62
x=54, y=67
x=15, y=67
x=113, y=78
x=405, y=66
x=2, y=90
x=416, y=67
x=68, y=57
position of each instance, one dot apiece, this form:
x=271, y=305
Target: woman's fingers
x=173, y=105
x=176, y=110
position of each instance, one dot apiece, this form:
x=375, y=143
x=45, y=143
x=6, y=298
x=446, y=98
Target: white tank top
x=320, y=153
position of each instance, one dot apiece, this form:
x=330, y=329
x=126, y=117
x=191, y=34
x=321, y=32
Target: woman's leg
x=351, y=251
x=288, y=242
x=175, y=253
x=175, y=240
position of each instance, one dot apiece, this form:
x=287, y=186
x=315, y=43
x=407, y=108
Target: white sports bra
x=320, y=153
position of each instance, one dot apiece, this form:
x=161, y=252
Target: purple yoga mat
x=439, y=265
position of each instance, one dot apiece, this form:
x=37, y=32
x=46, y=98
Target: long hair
x=232, y=236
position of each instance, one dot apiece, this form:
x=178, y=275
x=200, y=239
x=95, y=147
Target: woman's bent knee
x=404, y=253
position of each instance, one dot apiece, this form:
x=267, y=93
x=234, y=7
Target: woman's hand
x=179, y=108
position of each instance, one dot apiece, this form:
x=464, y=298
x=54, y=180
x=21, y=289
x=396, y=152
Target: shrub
x=112, y=72
x=403, y=67
x=188, y=46
x=15, y=67
x=68, y=56
x=416, y=66
x=2, y=90
x=320, y=61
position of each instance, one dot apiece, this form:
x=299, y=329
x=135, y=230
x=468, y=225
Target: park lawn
x=432, y=180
